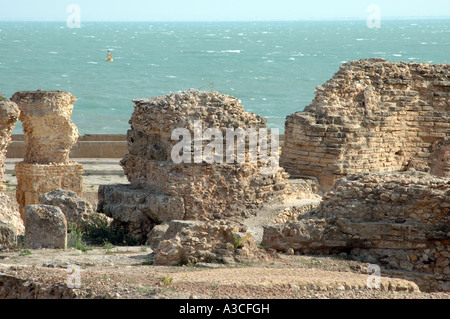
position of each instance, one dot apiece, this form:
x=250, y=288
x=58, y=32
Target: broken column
x=195, y=188
x=49, y=137
x=9, y=114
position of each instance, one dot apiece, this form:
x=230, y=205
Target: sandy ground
x=128, y=272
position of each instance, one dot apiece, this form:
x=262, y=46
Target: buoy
x=109, y=59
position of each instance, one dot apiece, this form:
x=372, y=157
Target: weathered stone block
x=11, y=225
x=137, y=209
x=46, y=227
x=37, y=179
x=77, y=210
x=195, y=241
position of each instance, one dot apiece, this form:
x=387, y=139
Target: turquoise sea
x=272, y=67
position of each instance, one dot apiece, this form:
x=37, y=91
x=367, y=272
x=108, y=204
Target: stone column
x=9, y=114
x=49, y=136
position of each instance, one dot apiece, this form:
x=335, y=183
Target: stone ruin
x=10, y=224
x=9, y=114
x=399, y=221
x=377, y=138
x=161, y=190
x=372, y=116
x=49, y=136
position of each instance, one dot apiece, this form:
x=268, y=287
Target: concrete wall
x=88, y=146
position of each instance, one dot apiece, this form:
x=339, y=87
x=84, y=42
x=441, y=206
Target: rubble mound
x=399, y=220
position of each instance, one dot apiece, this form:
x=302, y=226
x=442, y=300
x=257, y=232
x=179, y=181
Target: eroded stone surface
x=372, y=116
x=181, y=242
x=137, y=210
x=12, y=287
x=11, y=225
x=209, y=190
x=49, y=137
x=77, y=210
x=48, y=129
x=9, y=114
x=202, y=190
x=46, y=227
x=34, y=180
x=398, y=220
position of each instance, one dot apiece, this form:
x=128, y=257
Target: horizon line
x=262, y=20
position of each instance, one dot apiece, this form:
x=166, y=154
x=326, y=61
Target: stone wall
x=372, y=116
x=9, y=114
x=49, y=136
x=400, y=221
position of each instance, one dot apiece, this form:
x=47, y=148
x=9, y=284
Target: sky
x=217, y=10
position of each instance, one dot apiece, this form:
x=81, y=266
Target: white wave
x=292, y=59
x=93, y=62
x=171, y=76
x=397, y=55
x=231, y=51
x=53, y=52
x=64, y=75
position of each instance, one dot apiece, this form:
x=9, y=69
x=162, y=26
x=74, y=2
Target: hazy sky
x=216, y=10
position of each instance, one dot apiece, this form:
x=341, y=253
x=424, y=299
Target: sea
x=272, y=67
